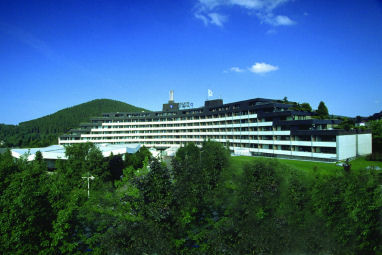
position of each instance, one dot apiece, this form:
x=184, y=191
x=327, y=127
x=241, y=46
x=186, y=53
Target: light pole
x=89, y=178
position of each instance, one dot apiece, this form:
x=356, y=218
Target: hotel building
x=263, y=127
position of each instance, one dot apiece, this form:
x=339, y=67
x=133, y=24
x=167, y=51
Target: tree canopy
x=322, y=110
x=200, y=204
x=302, y=107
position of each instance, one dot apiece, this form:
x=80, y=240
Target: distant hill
x=45, y=130
x=376, y=116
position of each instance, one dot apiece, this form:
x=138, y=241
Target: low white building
x=55, y=152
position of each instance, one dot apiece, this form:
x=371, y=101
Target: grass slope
x=305, y=169
x=45, y=130
x=357, y=164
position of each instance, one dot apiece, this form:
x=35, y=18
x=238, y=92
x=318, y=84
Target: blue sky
x=56, y=54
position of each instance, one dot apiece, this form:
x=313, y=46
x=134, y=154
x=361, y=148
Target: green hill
x=45, y=130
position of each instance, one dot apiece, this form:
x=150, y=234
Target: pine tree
x=322, y=110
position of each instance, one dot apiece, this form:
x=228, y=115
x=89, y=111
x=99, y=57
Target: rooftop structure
x=256, y=126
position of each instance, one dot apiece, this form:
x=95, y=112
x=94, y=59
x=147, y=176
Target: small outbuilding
x=54, y=152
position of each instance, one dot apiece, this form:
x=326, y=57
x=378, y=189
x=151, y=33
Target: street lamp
x=89, y=178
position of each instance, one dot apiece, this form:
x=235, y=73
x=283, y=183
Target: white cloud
x=217, y=19
x=202, y=18
x=281, y=20
x=207, y=11
x=260, y=68
x=249, y=4
x=236, y=69
x=212, y=18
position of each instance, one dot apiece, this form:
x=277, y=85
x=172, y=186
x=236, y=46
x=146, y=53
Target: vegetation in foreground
x=208, y=203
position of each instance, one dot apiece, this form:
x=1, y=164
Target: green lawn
x=358, y=164
x=232, y=175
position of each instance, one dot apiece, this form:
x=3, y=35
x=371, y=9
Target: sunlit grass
x=358, y=164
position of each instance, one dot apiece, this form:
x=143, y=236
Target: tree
x=322, y=110
x=347, y=124
x=306, y=107
x=138, y=211
x=38, y=156
x=214, y=158
x=376, y=129
x=8, y=167
x=302, y=107
x=349, y=206
x=26, y=215
x=136, y=160
x=196, y=174
x=188, y=190
x=116, y=166
x=255, y=218
x=69, y=229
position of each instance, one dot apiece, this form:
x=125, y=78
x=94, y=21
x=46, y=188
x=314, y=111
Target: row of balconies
x=265, y=135
x=312, y=151
x=173, y=127
x=252, y=130
x=238, y=139
x=181, y=120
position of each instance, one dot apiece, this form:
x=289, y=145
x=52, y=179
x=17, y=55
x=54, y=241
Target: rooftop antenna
x=171, y=95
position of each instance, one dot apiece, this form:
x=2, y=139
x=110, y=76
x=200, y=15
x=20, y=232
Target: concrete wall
x=364, y=144
x=346, y=146
x=241, y=152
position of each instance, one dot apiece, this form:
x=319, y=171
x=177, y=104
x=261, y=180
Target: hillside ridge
x=45, y=130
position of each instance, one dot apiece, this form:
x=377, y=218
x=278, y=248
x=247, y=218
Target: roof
x=58, y=151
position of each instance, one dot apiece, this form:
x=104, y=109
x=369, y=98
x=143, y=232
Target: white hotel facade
x=258, y=126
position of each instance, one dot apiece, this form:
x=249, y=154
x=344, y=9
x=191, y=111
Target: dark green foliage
x=38, y=156
x=116, y=166
x=83, y=160
x=8, y=167
x=302, y=107
x=376, y=129
x=214, y=159
x=349, y=207
x=258, y=225
x=322, y=110
x=306, y=107
x=197, y=173
x=204, y=205
x=44, y=131
x=155, y=190
x=375, y=156
x=71, y=229
x=26, y=214
x=347, y=124
x=136, y=160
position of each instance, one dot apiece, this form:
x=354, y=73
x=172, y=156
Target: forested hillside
x=45, y=130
